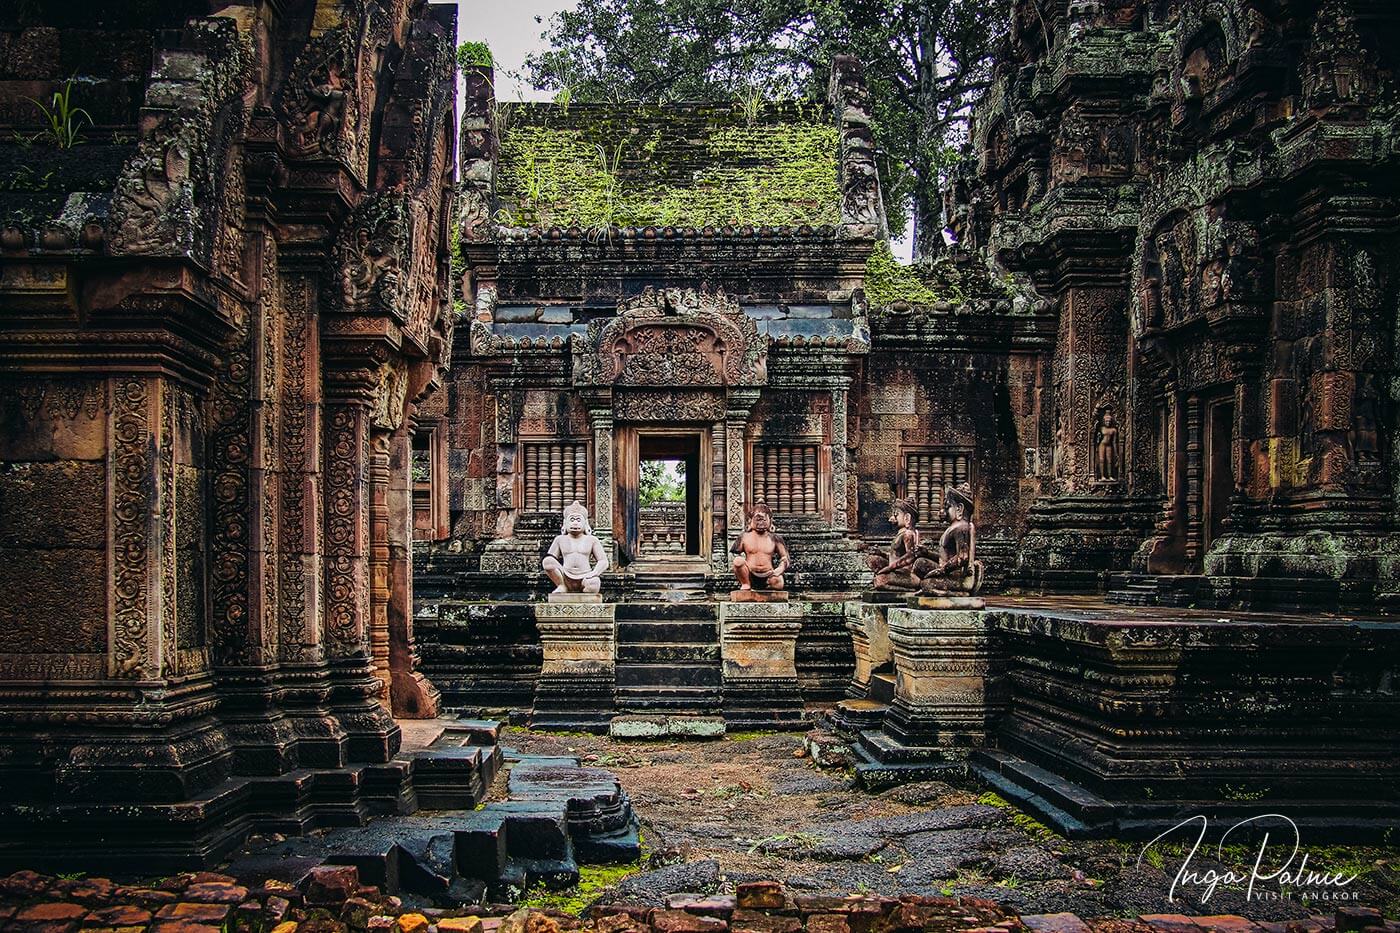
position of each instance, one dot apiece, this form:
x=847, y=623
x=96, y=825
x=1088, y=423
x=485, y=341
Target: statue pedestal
x=920, y=601
x=758, y=647
x=758, y=596
x=870, y=690
x=944, y=700
x=586, y=598
x=577, y=685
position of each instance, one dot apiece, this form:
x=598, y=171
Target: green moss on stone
x=597, y=169
x=593, y=880
x=888, y=280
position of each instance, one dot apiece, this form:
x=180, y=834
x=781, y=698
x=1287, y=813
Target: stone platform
x=1123, y=721
x=452, y=768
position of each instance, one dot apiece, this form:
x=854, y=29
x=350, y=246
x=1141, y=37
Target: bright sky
x=509, y=27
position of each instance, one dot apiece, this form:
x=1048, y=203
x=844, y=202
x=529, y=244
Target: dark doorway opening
x=1220, y=467
x=668, y=496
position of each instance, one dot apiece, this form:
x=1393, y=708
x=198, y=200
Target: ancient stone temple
x=1217, y=398
x=223, y=298
x=690, y=283
x=1158, y=354
x=318, y=418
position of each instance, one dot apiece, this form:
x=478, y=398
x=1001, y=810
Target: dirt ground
x=754, y=807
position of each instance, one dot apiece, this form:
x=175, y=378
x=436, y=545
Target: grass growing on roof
x=608, y=172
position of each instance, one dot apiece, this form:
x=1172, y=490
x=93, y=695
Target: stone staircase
x=660, y=584
x=668, y=659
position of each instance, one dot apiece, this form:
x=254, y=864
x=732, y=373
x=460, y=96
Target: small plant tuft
x=63, y=122
x=474, y=55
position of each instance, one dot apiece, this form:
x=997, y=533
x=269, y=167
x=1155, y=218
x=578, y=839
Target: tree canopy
x=926, y=61
x=662, y=481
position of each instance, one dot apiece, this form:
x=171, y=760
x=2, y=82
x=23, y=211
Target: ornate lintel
x=672, y=337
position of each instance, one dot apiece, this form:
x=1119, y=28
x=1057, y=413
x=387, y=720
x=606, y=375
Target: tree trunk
x=928, y=215
x=928, y=226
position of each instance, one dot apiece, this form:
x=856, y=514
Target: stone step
x=668, y=675
x=447, y=777
x=672, y=653
x=647, y=633
x=668, y=700
x=881, y=688
x=670, y=727
x=858, y=714
x=1069, y=808
x=665, y=612
x=881, y=761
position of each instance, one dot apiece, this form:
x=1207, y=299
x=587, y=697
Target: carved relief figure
x=1107, y=463
x=901, y=568
x=762, y=556
x=155, y=195
x=958, y=571
x=567, y=563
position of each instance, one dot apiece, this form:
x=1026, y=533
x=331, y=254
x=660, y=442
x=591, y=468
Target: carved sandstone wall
x=221, y=308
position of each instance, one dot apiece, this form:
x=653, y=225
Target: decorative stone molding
x=944, y=700
x=671, y=338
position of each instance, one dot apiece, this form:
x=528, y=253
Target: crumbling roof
x=598, y=166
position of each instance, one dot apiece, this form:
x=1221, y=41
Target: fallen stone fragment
x=118, y=915
x=711, y=905
x=760, y=895
x=459, y=925
x=51, y=912
x=679, y=921
x=194, y=913
x=753, y=921
x=1228, y=923
x=216, y=892
x=828, y=923
x=1357, y=918
x=1055, y=923
x=1166, y=923
x=413, y=923
x=330, y=884
x=25, y=884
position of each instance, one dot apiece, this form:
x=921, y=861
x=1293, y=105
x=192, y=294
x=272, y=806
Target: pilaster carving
x=132, y=506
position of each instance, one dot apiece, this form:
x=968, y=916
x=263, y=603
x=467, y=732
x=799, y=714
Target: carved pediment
x=672, y=337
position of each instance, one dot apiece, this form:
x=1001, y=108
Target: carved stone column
x=738, y=405
x=412, y=695
x=379, y=558
x=943, y=663
x=839, y=461
x=601, y=419
x=870, y=639
x=758, y=646
x=303, y=673
x=356, y=690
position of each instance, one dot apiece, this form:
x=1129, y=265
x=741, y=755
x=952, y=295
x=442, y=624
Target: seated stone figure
x=567, y=562
x=958, y=571
x=762, y=556
x=901, y=567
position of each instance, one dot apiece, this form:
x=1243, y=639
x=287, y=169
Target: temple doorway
x=662, y=495
x=1219, y=467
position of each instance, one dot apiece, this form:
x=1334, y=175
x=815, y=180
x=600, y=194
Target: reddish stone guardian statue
x=958, y=571
x=762, y=557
